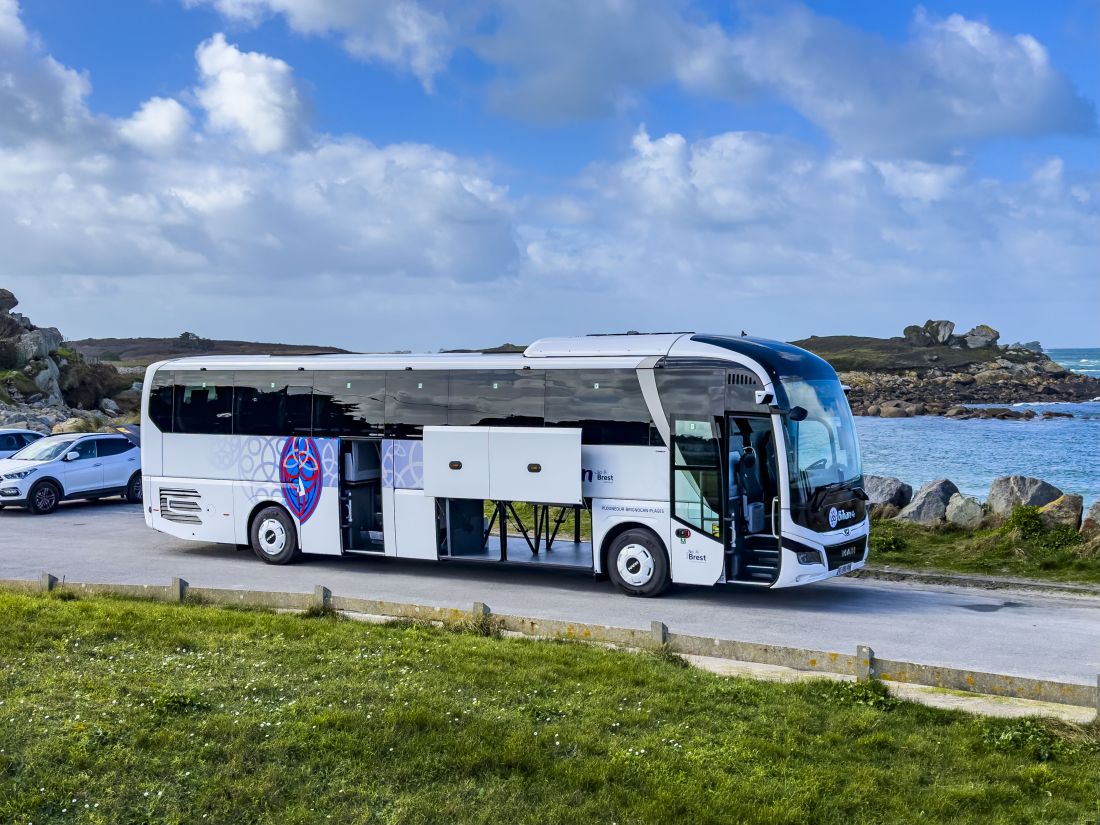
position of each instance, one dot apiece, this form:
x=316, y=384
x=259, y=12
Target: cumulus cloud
x=402, y=33
x=955, y=81
x=250, y=95
x=158, y=126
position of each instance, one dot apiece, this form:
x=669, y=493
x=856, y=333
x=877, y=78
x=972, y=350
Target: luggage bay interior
x=488, y=528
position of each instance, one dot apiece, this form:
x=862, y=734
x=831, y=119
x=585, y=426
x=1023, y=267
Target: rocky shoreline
x=939, y=503
x=931, y=371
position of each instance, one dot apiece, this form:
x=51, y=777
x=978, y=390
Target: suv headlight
x=19, y=475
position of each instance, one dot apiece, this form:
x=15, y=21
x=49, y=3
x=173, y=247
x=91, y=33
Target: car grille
x=846, y=553
x=180, y=506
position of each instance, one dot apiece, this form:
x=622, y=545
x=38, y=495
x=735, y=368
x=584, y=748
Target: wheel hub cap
x=635, y=565
x=272, y=537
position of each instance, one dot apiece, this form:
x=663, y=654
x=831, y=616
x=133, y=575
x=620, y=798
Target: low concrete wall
x=863, y=664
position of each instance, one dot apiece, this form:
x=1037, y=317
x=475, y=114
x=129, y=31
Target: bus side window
x=349, y=403
x=697, y=488
x=160, y=402
x=414, y=399
x=272, y=403
x=606, y=404
x=203, y=403
x=485, y=398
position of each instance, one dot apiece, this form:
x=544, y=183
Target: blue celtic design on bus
x=301, y=476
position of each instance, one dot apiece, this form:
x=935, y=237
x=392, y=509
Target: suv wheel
x=133, y=489
x=43, y=498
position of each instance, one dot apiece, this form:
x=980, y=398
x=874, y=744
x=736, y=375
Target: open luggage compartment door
x=535, y=464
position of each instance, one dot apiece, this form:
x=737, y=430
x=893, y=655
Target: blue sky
x=415, y=174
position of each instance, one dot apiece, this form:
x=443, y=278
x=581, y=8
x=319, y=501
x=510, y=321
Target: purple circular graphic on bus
x=301, y=476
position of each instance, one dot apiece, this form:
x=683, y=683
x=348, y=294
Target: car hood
x=9, y=465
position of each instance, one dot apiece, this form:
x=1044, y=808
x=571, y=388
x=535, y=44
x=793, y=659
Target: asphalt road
x=1026, y=634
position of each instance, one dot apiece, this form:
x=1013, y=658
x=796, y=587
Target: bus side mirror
x=797, y=414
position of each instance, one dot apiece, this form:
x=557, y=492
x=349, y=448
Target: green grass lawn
x=1020, y=547
x=132, y=712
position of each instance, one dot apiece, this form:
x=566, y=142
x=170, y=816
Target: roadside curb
x=894, y=574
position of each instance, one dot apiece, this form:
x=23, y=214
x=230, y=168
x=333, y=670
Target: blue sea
x=1063, y=451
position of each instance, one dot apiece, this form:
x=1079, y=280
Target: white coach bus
x=701, y=459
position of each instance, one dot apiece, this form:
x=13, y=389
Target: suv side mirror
x=72, y=455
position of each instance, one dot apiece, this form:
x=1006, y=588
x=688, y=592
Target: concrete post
x=865, y=664
x=46, y=582
x=177, y=590
x=481, y=609
x=659, y=633
x=322, y=597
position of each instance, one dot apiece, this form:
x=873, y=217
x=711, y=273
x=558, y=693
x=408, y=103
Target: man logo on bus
x=301, y=476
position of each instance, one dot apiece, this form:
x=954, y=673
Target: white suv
x=60, y=467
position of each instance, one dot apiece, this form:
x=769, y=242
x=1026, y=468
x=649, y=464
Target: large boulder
x=887, y=490
x=8, y=302
x=981, y=336
x=71, y=425
x=964, y=511
x=917, y=336
x=929, y=505
x=1064, y=511
x=38, y=343
x=893, y=412
x=47, y=380
x=1091, y=524
x=1009, y=492
x=939, y=331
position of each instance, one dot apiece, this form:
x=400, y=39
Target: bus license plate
x=844, y=568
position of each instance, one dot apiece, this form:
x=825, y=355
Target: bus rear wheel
x=274, y=537
x=638, y=564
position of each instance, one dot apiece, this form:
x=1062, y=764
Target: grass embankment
x=128, y=712
x=1021, y=546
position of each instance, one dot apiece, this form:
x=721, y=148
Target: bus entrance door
x=753, y=551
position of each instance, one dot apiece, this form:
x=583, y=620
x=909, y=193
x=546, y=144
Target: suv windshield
x=823, y=449
x=45, y=449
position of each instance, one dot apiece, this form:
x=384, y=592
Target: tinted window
x=497, y=397
x=606, y=404
x=160, y=402
x=114, y=446
x=415, y=398
x=85, y=449
x=698, y=392
x=30, y=438
x=272, y=403
x=203, y=403
x=10, y=442
x=349, y=403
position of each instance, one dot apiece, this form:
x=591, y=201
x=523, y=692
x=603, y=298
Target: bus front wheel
x=638, y=564
x=274, y=536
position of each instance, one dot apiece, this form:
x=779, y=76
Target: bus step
x=764, y=569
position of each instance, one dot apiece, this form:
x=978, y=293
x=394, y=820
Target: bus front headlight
x=809, y=557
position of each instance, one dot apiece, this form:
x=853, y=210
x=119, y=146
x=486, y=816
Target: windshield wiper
x=824, y=490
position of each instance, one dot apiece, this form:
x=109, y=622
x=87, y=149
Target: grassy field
x=1020, y=547
x=133, y=712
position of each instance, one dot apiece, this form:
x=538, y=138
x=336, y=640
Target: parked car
x=14, y=440
x=61, y=467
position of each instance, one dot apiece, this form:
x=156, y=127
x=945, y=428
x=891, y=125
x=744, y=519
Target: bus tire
x=274, y=536
x=638, y=564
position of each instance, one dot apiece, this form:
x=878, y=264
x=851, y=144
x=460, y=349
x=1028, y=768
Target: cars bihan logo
x=836, y=515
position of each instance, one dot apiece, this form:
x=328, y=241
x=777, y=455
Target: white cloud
x=12, y=32
x=251, y=95
x=343, y=241
x=403, y=33
x=954, y=82
x=158, y=126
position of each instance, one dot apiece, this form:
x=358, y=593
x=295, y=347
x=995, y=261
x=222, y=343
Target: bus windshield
x=823, y=449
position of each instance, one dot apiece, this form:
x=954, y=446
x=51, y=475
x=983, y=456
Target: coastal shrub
x=1039, y=739
x=1027, y=522
x=872, y=694
x=887, y=537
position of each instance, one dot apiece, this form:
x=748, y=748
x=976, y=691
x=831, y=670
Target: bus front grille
x=180, y=506
x=846, y=553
